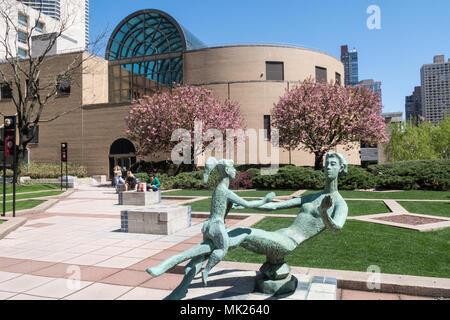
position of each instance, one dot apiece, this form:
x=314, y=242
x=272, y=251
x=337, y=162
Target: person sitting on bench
x=153, y=183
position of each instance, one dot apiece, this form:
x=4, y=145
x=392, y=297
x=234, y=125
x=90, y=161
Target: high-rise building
x=435, y=82
x=31, y=24
x=413, y=106
x=371, y=84
x=51, y=8
x=54, y=8
x=350, y=61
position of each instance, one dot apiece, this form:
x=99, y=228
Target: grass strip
x=432, y=208
x=360, y=245
x=28, y=188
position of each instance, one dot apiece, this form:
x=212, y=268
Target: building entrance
x=122, y=153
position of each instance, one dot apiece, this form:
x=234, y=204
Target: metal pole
x=14, y=171
x=61, y=175
x=4, y=172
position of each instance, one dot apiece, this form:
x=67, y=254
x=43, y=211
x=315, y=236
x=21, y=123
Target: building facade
x=350, y=61
x=375, y=86
x=148, y=52
x=31, y=24
x=435, y=83
x=413, y=106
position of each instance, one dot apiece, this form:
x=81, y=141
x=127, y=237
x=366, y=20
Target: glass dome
x=145, y=52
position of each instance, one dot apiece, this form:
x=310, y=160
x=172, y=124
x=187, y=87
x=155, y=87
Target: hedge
x=410, y=175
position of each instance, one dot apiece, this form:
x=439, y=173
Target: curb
x=10, y=225
x=357, y=280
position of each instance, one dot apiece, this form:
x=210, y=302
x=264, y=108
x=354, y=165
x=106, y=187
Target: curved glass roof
x=149, y=32
x=145, y=54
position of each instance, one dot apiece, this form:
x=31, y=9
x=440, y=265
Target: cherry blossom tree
x=317, y=117
x=154, y=120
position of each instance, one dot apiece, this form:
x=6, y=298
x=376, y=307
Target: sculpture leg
x=199, y=250
x=192, y=268
x=219, y=238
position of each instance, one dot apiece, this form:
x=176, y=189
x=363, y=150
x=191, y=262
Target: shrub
x=50, y=170
x=290, y=177
x=243, y=180
x=142, y=176
x=356, y=178
x=166, y=166
x=424, y=175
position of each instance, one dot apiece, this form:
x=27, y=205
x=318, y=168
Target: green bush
x=142, y=176
x=51, y=170
x=290, y=177
x=408, y=175
x=356, y=178
x=166, y=166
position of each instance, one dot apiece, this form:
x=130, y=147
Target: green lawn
x=361, y=208
x=1, y=221
x=191, y=193
x=205, y=206
x=28, y=188
x=242, y=193
x=262, y=193
x=433, y=208
x=360, y=245
x=22, y=205
x=33, y=195
x=412, y=194
x=355, y=208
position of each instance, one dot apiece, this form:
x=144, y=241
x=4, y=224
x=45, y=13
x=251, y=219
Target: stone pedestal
x=235, y=284
x=275, y=279
x=134, y=198
x=156, y=220
x=99, y=178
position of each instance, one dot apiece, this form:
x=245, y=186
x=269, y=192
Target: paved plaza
x=75, y=250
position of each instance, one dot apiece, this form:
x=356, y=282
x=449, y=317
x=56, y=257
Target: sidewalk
x=78, y=238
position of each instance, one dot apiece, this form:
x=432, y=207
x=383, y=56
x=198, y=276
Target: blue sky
x=411, y=33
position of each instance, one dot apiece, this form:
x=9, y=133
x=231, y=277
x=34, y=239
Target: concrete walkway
x=73, y=250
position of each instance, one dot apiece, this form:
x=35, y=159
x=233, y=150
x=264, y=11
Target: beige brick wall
x=238, y=73
x=233, y=72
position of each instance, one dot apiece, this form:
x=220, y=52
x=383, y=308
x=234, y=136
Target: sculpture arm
x=234, y=198
x=296, y=202
x=340, y=214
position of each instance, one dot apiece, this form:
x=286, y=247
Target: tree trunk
x=318, y=160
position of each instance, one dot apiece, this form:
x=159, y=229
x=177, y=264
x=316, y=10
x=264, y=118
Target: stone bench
x=156, y=220
x=134, y=198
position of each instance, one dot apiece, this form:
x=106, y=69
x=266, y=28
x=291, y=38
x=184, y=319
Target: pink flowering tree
x=153, y=120
x=317, y=117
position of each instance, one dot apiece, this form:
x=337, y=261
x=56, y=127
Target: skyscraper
x=413, y=106
x=49, y=7
x=60, y=8
x=435, y=81
x=371, y=84
x=350, y=61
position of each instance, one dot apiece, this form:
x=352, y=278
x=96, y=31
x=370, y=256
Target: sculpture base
x=276, y=287
x=235, y=284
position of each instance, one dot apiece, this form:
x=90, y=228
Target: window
x=23, y=19
x=39, y=26
x=338, y=78
x=6, y=91
x=267, y=127
x=22, y=53
x=321, y=74
x=274, y=70
x=35, y=138
x=63, y=86
x=22, y=37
